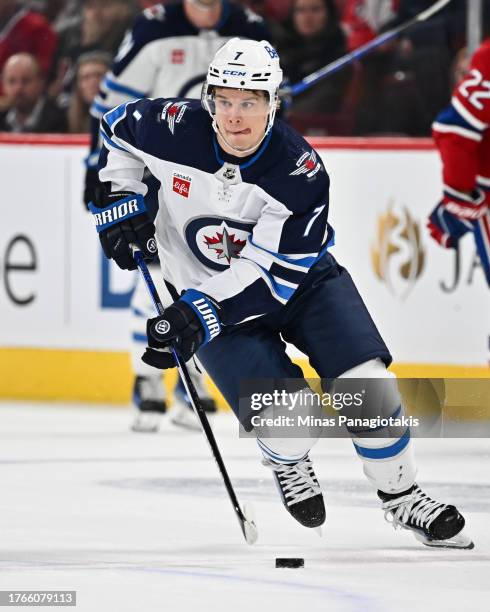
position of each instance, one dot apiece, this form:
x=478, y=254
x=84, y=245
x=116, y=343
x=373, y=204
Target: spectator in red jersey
x=60, y=13
x=29, y=109
x=91, y=68
x=310, y=39
x=363, y=19
x=25, y=31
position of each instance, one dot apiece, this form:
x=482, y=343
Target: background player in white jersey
x=243, y=239
x=167, y=53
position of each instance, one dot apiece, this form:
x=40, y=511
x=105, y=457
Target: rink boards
x=64, y=315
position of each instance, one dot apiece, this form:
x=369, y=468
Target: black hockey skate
x=148, y=399
x=299, y=489
x=432, y=523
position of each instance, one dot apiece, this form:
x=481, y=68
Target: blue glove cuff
x=118, y=211
x=205, y=310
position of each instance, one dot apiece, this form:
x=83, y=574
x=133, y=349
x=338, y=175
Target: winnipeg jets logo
x=225, y=245
x=172, y=113
x=306, y=164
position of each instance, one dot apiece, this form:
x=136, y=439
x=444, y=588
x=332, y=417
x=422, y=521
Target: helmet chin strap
x=228, y=144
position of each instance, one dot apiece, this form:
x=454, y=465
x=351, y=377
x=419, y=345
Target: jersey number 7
x=316, y=213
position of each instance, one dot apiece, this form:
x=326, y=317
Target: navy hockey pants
x=326, y=319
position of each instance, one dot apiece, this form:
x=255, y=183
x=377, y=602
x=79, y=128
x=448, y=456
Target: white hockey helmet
x=244, y=64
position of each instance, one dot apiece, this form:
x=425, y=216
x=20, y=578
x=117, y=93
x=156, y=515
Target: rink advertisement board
x=58, y=292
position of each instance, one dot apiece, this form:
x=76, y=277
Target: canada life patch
x=181, y=184
x=178, y=56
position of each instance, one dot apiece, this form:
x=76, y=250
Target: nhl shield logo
x=229, y=174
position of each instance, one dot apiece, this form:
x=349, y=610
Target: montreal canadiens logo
x=162, y=327
x=215, y=241
x=151, y=245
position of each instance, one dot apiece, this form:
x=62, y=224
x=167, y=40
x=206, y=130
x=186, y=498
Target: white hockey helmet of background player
x=244, y=64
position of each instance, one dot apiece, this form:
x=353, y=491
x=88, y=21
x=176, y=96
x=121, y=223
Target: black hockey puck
x=290, y=562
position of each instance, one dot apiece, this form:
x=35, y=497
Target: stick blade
x=249, y=527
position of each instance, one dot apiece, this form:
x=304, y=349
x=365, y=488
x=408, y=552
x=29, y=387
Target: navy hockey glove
x=187, y=324
x=120, y=220
x=93, y=189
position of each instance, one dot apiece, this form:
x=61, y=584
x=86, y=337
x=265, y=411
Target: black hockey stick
x=245, y=516
x=314, y=77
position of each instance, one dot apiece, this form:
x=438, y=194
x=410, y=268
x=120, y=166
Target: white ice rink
x=138, y=522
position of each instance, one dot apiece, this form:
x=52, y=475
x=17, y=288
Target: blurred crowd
x=54, y=53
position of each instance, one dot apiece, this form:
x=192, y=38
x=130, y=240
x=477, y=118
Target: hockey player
x=462, y=135
x=166, y=54
x=243, y=239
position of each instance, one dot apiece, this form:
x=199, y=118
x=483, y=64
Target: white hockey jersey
x=245, y=231
x=165, y=55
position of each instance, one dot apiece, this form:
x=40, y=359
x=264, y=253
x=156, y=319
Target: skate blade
x=460, y=540
x=318, y=531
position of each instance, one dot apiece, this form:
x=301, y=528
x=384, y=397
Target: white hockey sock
x=388, y=463
x=297, y=441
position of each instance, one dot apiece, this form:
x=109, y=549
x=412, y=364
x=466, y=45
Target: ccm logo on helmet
x=234, y=73
x=116, y=213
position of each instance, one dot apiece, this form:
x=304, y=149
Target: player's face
x=241, y=117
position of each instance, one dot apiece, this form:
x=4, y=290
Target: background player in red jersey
x=462, y=135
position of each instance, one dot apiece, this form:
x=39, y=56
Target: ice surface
x=141, y=522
